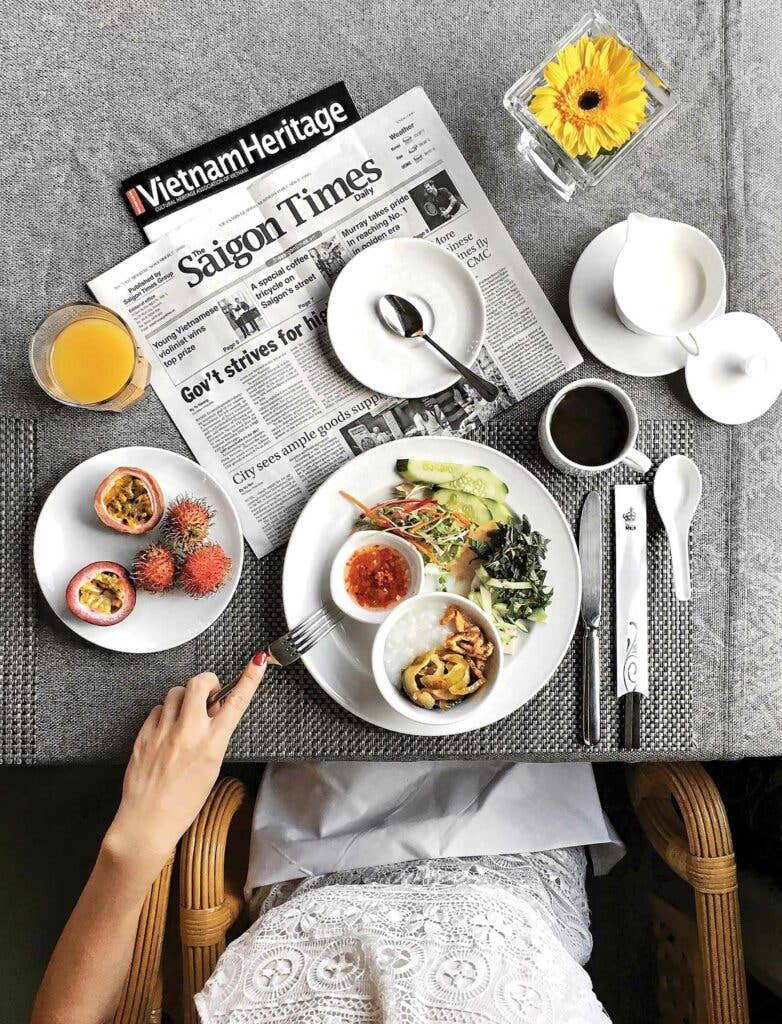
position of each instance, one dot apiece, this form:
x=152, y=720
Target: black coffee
x=590, y=426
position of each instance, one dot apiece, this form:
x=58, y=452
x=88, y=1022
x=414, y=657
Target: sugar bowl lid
x=736, y=375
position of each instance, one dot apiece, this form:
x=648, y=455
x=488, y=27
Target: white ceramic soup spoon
x=677, y=494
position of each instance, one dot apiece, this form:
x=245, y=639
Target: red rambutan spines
x=187, y=523
x=204, y=570
x=154, y=568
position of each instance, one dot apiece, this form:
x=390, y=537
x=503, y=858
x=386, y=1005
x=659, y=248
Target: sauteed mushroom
x=440, y=678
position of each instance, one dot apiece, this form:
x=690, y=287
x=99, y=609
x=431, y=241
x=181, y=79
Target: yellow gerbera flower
x=594, y=97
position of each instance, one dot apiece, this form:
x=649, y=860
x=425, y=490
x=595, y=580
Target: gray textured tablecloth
x=94, y=92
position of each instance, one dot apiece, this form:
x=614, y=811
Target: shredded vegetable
x=439, y=533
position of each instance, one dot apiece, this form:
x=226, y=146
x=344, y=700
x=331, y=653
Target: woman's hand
x=175, y=762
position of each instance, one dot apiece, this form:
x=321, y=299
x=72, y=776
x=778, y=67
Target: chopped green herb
x=511, y=579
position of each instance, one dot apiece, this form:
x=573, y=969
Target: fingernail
x=260, y=658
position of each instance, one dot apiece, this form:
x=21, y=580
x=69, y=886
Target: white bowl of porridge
x=403, y=672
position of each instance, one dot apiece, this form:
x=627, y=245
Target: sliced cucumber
x=423, y=471
x=480, y=481
x=500, y=512
x=468, y=504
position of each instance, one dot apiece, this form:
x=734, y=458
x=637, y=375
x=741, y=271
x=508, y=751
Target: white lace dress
x=473, y=940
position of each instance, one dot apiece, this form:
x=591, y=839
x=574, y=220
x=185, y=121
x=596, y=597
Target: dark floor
x=54, y=818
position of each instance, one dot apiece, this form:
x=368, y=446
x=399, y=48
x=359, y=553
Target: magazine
x=231, y=311
x=165, y=196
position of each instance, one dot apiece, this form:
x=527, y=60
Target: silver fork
x=295, y=643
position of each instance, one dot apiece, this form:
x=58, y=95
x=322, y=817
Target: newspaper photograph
x=230, y=309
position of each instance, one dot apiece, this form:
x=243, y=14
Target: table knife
x=590, y=550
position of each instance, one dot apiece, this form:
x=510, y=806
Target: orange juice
x=92, y=359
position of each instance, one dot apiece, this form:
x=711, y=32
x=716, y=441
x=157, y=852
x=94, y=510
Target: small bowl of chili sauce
x=373, y=572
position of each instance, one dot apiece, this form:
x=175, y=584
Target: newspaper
x=166, y=195
x=231, y=311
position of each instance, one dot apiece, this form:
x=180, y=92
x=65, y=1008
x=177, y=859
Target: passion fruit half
x=129, y=500
x=101, y=593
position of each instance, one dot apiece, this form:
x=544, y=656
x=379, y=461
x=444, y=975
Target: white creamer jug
x=669, y=279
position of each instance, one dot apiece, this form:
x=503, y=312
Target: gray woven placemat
x=292, y=718
x=17, y=519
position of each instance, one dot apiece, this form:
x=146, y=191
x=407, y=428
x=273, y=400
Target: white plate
x=445, y=292
x=69, y=535
x=341, y=663
x=595, y=319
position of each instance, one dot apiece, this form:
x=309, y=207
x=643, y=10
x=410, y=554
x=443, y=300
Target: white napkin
x=313, y=819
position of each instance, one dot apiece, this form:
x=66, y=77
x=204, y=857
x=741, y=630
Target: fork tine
x=310, y=622
x=316, y=635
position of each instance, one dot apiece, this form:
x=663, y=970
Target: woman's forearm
x=175, y=762
x=90, y=962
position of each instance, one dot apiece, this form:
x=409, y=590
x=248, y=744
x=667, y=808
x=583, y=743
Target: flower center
x=589, y=100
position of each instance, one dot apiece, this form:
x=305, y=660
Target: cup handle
x=637, y=461
x=688, y=343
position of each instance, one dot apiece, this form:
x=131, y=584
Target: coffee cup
x=669, y=279
x=590, y=426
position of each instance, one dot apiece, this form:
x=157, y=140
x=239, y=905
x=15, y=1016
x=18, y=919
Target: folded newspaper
x=230, y=309
x=166, y=195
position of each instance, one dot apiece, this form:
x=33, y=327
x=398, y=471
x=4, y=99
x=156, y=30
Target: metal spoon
x=677, y=494
x=402, y=317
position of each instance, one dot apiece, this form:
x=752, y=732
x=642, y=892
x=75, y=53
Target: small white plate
x=595, y=319
x=341, y=663
x=69, y=535
x=447, y=296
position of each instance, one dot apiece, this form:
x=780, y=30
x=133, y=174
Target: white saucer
x=442, y=288
x=594, y=315
x=69, y=535
x=715, y=377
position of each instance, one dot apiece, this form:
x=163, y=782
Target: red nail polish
x=260, y=658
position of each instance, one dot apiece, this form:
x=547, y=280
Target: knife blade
x=590, y=551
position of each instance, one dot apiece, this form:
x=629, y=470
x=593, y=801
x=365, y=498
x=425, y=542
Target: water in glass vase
x=92, y=359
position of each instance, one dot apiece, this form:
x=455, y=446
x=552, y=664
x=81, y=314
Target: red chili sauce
x=377, y=577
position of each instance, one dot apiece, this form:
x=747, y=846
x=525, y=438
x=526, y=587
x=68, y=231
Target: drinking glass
x=42, y=348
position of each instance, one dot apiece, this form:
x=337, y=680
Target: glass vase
x=544, y=154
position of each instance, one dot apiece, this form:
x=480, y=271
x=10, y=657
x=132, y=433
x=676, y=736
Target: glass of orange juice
x=85, y=355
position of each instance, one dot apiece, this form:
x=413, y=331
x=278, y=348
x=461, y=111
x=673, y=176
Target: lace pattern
x=478, y=940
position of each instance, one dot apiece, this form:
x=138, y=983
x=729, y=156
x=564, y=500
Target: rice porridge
x=416, y=632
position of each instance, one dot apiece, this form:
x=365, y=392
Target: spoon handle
x=680, y=563
x=485, y=388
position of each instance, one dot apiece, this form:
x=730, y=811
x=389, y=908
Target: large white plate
x=445, y=293
x=341, y=662
x=69, y=536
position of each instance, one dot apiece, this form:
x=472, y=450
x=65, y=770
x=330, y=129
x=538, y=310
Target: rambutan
x=204, y=570
x=187, y=523
x=154, y=568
